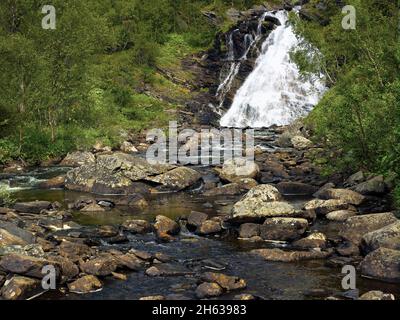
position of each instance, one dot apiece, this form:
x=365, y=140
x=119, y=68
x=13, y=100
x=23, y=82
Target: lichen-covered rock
x=346, y=195
x=177, y=179
x=283, y=229
x=314, y=240
x=78, y=158
x=373, y=186
x=341, y=215
x=382, y=264
x=323, y=207
x=386, y=237
x=7, y=239
x=301, y=143
x=235, y=169
x=278, y=255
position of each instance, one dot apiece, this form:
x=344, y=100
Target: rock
x=32, y=207
x=355, y=178
x=228, y=189
x=328, y=185
x=346, y=195
x=195, y=219
x=279, y=255
x=348, y=249
x=386, y=237
x=26, y=265
x=16, y=231
x=301, y=143
x=53, y=183
x=129, y=261
x=323, y=207
x=166, y=225
x=244, y=296
x=74, y=251
x=235, y=169
x=228, y=283
x=314, y=240
x=377, y=295
x=119, y=276
x=18, y=287
x=7, y=239
x=152, y=298
x=143, y=255
x=86, y=284
x=168, y=270
x=136, y=201
x=101, y=266
x=69, y=270
x=246, y=183
x=128, y=147
x=355, y=227
x=93, y=207
x=374, y=186
x=295, y=188
x=137, y=226
x=382, y=264
x=209, y=227
x=341, y=215
x=249, y=230
x=177, y=179
x=283, y=229
x=32, y=250
x=208, y=290
x=78, y=158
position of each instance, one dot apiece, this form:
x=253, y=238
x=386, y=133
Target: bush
x=6, y=198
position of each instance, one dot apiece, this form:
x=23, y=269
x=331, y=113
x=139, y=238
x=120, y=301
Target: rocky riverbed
x=116, y=227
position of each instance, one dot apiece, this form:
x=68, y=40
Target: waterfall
x=274, y=93
x=250, y=41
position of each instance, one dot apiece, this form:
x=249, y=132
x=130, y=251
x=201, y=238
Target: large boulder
x=78, y=158
x=278, y=255
x=323, y=207
x=382, y=264
x=373, y=186
x=283, y=229
x=235, y=169
x=177, y=179
x=386, y=237
x=346, y=195
x=355, y=227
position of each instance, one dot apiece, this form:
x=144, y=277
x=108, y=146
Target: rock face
x=341, y=215
x=374, y=186
x=86, y=284
x=382, y=264
x=78, y=158
x=32, y=207
x=177, y=179
x=323, y=207
x=283, y=229
x=208, y=290
x=261, y=202
x=355, y=227
x=166, y=225
x=18, y=287
x=279, y=255
x=236, y=169
x=386, y=237
x=346, y=195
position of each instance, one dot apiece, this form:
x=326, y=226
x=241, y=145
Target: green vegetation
x=6, y=199
x=359, y=117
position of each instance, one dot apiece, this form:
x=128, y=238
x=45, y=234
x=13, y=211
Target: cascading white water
x=274, y=93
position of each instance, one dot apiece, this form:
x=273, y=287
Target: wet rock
x=7, y=239
x=296, y=188
x=137, y=226
x=355, y=179
x=348, y=249
x=128, y=147
x=340, y=262
x=93, y=207
x=129, y=261
x=209, y=227
x=228, y=283
x=33, y=250
x=279, y=255
x=386, y=237
x=101, y=266
x=32, y=207
x=195, y=219
x=235, y=169
x=107, y=231
x=323, y=207
x=314, y=240
x=153, y=298
x=249, y=230
x=74, y=250
x=18, y=287
x=166, y=225
x=283, y=229
x=208, y=290
x=69, y=270
x=143, y=255
x=137, y=201
x=377, y=295
x=355, y=227
x=86, y=284
x=177, y=179
x=326, y=186
x=26, y=265
x=78, y=158
x=382, y=264
x=119, y=276
x=228, y=189
x=346, y=195
x=373, y=186
x=244, y=296
x=53, y=183
x=301, y=143
x=341, y=215
x=246, y=183
x=168, y=270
